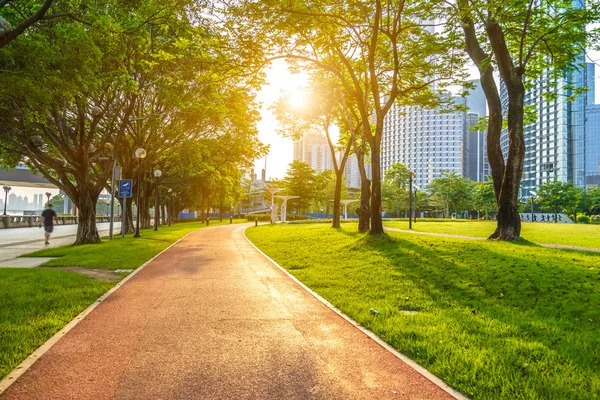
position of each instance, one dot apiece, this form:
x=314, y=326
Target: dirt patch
x=103, y=275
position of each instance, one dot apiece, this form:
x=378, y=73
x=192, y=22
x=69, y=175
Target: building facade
x=431, y=141
x=313, y=149
x=558, y=144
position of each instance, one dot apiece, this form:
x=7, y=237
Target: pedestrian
x=49, y=216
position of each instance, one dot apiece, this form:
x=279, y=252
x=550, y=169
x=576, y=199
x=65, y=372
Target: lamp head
x=157, y=173
x=140, y=153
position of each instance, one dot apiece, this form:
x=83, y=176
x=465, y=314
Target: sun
x=297, y=100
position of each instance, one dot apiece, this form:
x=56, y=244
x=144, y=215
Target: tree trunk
x=337, y=197
x=509, y=220
x=87, y=232
x=164, y=214
x=376, y=221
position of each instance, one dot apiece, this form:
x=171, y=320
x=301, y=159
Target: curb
x=420, y=369
x=16, y=373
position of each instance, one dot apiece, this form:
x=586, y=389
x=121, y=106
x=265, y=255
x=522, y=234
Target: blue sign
x=125, y=188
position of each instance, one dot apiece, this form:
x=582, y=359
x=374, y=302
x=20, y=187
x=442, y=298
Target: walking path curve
x=552, y=246
x=211, y=318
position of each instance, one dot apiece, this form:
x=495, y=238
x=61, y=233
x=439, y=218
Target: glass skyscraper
x=556, y=147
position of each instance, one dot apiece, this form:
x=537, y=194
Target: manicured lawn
x=37, y=303
x=581, y=235
x=494, y=320
x=121, y=253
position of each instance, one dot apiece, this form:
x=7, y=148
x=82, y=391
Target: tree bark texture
x=376, y=220
x=337, y=197
x=87, y=232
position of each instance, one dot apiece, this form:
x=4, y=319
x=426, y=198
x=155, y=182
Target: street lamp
x=48, y=194
x=411, y=175
x=157, y=174
x=532, y=195
x=6, y=190
x=140, y=154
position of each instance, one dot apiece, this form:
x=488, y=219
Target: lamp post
x=532, y=195
x=140, y=154
x=157, y=175
x=48, y=194
x=411, y=175
x=6, y=190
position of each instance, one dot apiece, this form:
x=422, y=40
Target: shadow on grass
x=538, y=306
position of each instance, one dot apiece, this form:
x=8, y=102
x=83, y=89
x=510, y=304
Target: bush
x=583, y=219
x=595, y=219
x=267, y=217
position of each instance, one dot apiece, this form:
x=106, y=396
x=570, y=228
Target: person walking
x=49, y=216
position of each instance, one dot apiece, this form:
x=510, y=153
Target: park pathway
x=212, y=318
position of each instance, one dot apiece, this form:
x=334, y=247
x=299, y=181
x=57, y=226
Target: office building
x=559, y=144
x=313, y=149
x=352, y=173
x=432, y=141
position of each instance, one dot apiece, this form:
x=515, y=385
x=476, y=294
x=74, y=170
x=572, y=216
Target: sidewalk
x=15, y=242
x=552, y=246
x=212, y=318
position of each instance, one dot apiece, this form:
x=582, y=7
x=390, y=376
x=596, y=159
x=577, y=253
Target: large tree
x=523, y=39
x=380, y=51
x=557, y=197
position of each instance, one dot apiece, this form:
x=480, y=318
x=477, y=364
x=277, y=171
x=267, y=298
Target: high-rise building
x=558, y=144
x=313, y=149
x=431, y=141
x=592, y=146
x=35, y=201
x=352, y=173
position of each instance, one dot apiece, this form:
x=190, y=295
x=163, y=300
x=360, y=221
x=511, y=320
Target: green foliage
x=394, y=189
x=484, y=198
x=556, y=197
x=583, y=219
x=451, y=193
x=301, y=180
x=267, y=217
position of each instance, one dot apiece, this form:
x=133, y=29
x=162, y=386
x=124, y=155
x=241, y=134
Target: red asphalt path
x=212, y=318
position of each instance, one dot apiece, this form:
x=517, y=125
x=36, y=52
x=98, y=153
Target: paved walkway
x=15, y=242
x=552, y=246
x=211, y=318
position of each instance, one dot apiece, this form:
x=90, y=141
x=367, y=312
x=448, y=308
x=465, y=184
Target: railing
x=23, y=221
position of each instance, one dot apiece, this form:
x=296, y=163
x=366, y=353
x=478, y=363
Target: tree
x=556, y=197
x=593, y=196
x=452, y=192
x=523, y=39
x=380, y=51
x=484, y=197
x=301, y=180
x=394, y=189
x=324, y=110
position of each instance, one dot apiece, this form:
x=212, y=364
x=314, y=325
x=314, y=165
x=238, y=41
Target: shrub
x=583, y=219
x=595, y=219
x=267, y=217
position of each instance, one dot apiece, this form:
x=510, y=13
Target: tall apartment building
x=352, y=173
x=560, y=144
x=429, y=141
x=314, y=150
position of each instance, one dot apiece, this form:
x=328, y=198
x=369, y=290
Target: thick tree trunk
x=87, y=233
x=337, y=197
x=376, y=221
x=509, y=220
x=164, y=214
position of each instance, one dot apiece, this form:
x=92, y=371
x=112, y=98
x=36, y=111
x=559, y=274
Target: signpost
x=125, y=191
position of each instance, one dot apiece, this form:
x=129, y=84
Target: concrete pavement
x=15, y=242
x=212, y=318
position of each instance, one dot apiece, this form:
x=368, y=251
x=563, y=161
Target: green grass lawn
x=37, y=303
x=494, y=320
x=121, y=253
x=581, y=235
